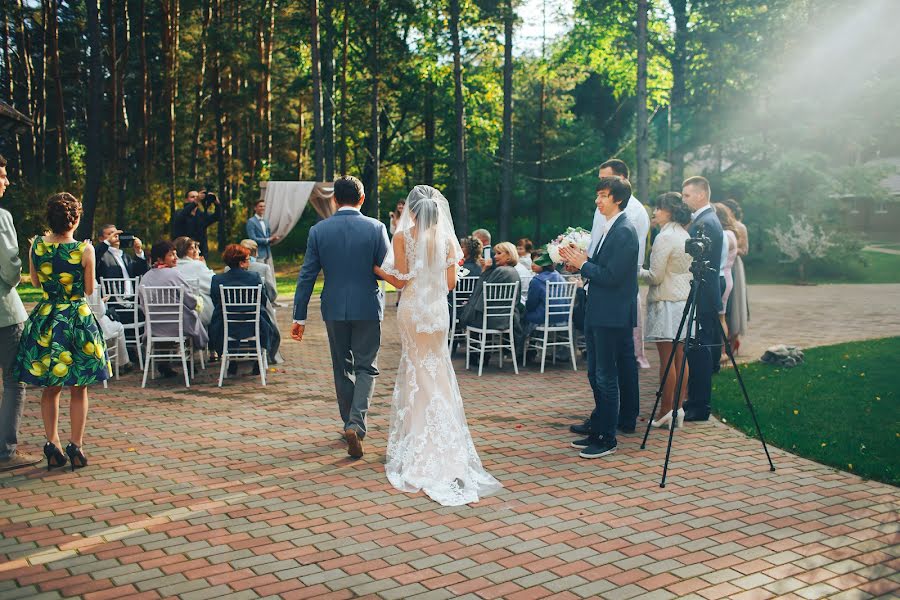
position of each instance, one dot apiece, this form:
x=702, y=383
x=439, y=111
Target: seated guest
x=471, y=249
x=237, y=258
x=669, y=277
x=164, y=273
x=535, y=306
x=525, y=247
x=501, y=270
x=192, y=266
x=265, y=273
x=525, y=276
x=484, y=236
x=112, y=262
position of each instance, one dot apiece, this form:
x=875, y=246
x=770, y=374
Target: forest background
x=789, y=106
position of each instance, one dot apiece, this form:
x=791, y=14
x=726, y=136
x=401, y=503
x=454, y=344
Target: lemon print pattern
x=62, y=344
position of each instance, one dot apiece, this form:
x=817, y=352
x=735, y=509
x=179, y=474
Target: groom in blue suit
x=347, y=246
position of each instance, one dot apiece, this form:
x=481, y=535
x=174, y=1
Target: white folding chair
x=559, y=303
x=461, y=294
x=240, y=308
x=122, y=294
x=500, y=300
x=112, y=340
x=164, y=305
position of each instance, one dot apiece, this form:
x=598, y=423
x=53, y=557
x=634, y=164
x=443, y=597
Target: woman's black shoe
x=76, y=456
x=55, y=457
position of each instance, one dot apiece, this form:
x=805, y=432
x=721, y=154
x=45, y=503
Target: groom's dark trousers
x=610, y=316
x=346, y=247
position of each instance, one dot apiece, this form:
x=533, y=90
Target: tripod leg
x=662, y=383
x=679, y=384
x=740, y=379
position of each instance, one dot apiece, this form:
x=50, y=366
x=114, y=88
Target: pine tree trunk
x=201, y=88
x=429, y=125
x=372, y=207
x=121, y=109
x=329, y=34
x=506, y=144
x=461, y=219
x=62, y=136
x=24, y=102
x=643, y=157
x=345, y=44
x=141, y=19
x=267, y=84
x=301, y=146
x=216, y=77
x=170, y=9
x=318, y=139
x=677, y=97
x=113, y=90
x=94, y=138
x=41, y=116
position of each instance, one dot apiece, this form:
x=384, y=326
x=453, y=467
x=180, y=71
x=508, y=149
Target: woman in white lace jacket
x=669, y=277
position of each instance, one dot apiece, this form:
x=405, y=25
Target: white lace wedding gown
x=429, y=444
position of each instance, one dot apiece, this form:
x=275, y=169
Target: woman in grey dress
x=737, y=313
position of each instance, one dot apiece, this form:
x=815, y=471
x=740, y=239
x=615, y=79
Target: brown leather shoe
x=354, y=444
x=18, y=460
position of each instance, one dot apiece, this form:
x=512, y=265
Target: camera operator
x=193, y=219
x=701, y=358
x=112, y=261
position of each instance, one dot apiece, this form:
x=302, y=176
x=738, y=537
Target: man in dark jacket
x=610, y=316
x=193, y=219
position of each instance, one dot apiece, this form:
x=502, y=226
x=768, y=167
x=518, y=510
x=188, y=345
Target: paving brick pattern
x=246, y=492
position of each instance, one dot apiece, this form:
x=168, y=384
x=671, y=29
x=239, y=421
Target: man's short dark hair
x=619, y=189
x=104, y=228
x=2, y=162
x=618, y=167
x=348, y=190
x=701, y=183
x=255, y=204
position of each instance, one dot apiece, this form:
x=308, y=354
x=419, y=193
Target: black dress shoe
x=693, y=416
x=626, y=428
x=580, y=429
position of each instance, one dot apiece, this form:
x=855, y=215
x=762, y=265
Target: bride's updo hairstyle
x=424, y=207
x=63, y=211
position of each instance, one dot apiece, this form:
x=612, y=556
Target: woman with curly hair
x=62, y=345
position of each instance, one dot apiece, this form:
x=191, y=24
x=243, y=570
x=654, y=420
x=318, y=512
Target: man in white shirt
x=639, y=218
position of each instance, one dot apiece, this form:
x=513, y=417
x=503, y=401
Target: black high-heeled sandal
x=76, y=456
x=55, y=457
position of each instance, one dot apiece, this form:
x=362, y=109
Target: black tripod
x=699, y=269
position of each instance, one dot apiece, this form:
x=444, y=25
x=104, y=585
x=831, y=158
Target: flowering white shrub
x=802, y=242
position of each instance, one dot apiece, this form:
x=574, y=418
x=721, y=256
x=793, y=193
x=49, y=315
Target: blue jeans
x=608, y=348
x=13, y=392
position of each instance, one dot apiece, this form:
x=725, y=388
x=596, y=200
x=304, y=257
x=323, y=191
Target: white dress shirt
x=262, y=224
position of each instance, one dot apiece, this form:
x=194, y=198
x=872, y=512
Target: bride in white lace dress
x=429, y=444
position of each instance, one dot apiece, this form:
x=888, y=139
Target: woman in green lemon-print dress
x=62, y=344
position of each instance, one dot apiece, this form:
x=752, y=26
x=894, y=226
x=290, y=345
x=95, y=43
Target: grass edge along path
x=841, y=407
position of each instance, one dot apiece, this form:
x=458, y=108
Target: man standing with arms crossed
x=12, y=315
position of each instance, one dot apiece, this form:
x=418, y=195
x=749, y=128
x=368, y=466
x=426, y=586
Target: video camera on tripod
x=697, y=247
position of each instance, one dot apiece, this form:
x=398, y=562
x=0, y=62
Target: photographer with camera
x=194, y=218
x=112, y=261
x=705, y=245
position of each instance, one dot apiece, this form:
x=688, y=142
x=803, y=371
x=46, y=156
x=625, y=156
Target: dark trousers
x=716, y=351
x=354, y=353
x=700, y=359
x=610, y=352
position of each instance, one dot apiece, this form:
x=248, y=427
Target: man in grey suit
x=259, y=231
x=346, y=246
x=12, y=315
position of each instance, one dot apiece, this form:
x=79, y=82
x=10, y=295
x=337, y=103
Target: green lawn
x=840, y=408
x=879, y=268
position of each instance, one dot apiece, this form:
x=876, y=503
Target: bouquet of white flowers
x=573, y=236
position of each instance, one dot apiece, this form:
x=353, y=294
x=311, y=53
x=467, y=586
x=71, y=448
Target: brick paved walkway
x=246, y=492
